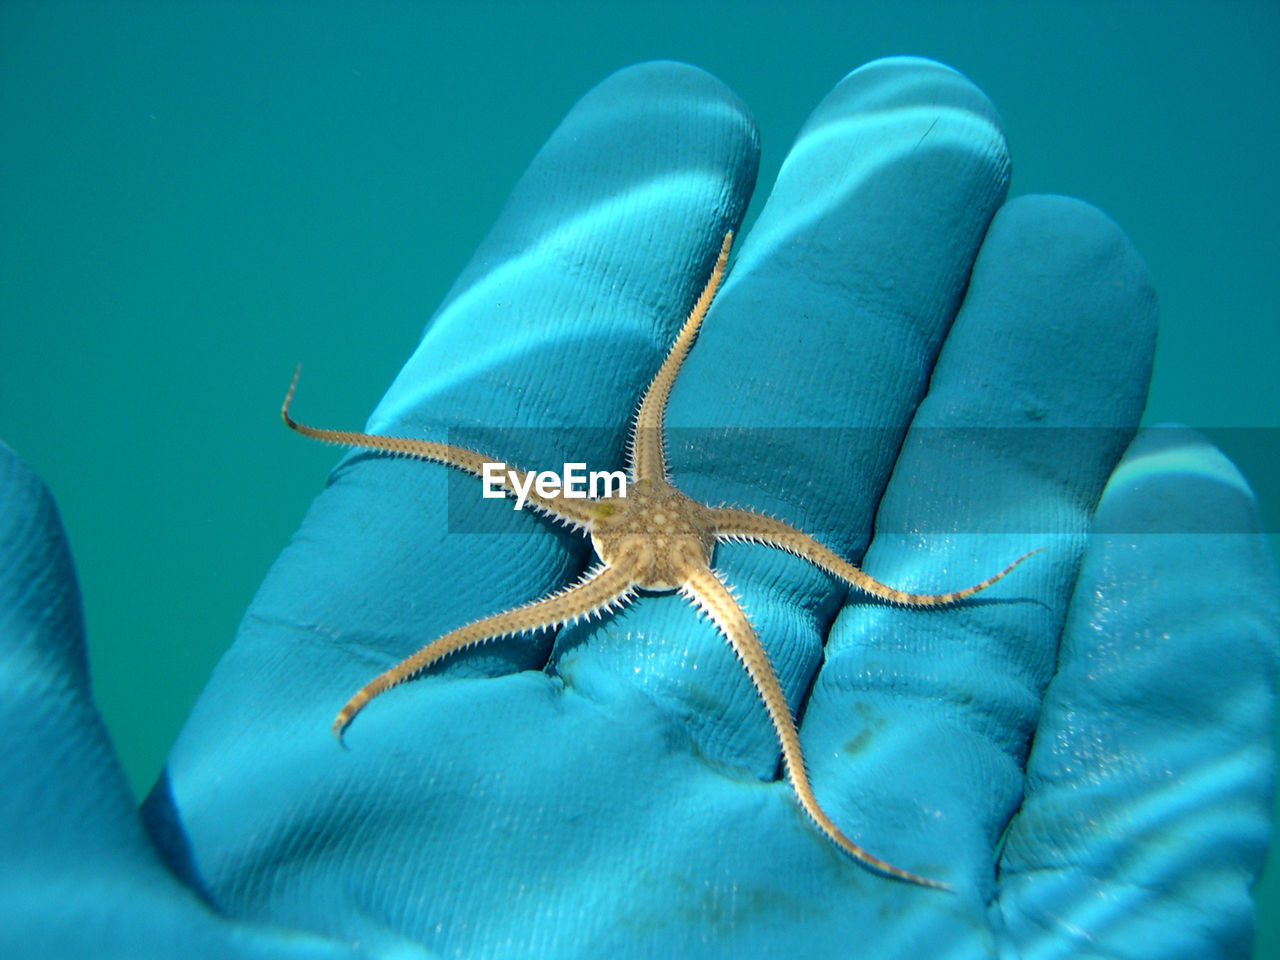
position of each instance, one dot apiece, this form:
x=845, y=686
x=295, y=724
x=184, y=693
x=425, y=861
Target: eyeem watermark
x=574, y=484
x=986, y=486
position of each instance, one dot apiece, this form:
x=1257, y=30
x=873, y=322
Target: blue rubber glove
x=932, y=381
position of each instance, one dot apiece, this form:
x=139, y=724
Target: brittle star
x=654, y=539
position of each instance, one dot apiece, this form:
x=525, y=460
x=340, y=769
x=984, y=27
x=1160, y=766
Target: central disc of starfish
x=656, y=532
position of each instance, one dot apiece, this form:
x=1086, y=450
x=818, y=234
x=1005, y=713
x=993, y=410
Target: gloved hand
x=925, y=377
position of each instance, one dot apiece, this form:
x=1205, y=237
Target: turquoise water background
x=195, y=196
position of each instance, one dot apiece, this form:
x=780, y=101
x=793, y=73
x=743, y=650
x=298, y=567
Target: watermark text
x=575, y=483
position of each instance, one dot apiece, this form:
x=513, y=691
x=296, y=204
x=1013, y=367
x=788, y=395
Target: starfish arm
x=647, y=459
x=712, y=596
x=574, y=513
x=733, y=524
x=601, y=589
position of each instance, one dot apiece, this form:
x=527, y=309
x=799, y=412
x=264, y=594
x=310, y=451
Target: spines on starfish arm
x=708, y=592
x=572, y=514
x=645, y=445
x=600, y=590
x=748, y=527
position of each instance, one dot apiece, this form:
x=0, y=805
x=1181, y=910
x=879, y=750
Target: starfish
x=650, y=538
